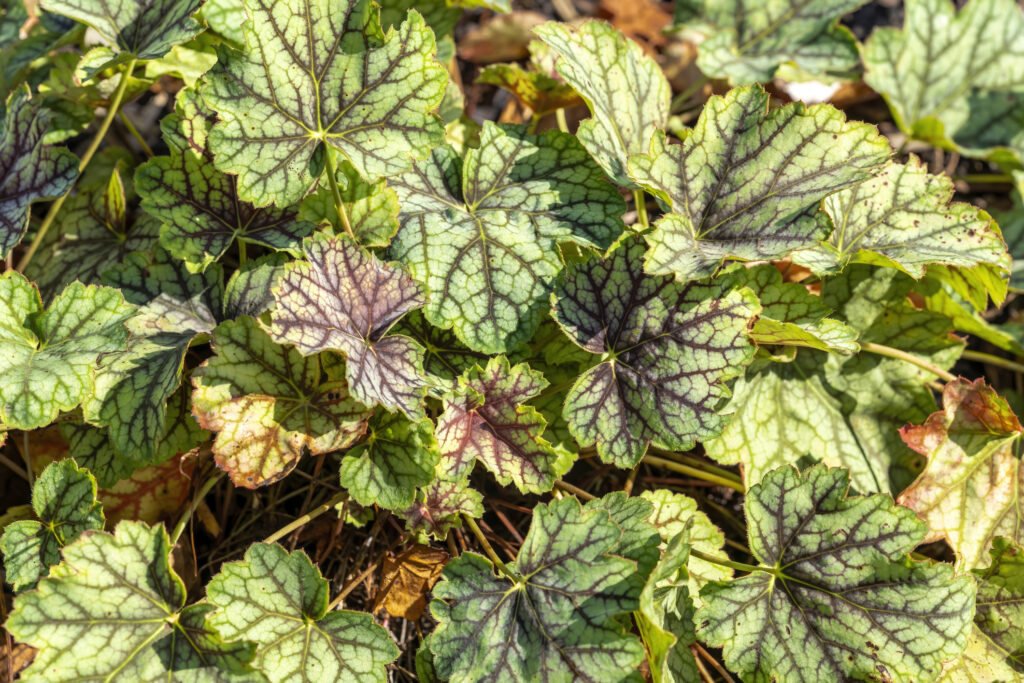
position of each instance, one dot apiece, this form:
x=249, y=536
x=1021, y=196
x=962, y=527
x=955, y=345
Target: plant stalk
x=694, y=472
x=738, y=566
x=180, y=526
x=641, y=209
x=146, y=149
x=563, y=124
x=907, y=357
x=339, y=205
x=472, y=525
x=305, y=519
x=989, y=359
x=51, y=214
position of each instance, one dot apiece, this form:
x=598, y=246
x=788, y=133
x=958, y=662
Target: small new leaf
x=625, y=89
x=279, y=601
x=268, y=403
x=48, y=357
x=560, y=619
x=146, y=29
x=342, y=298
x=484, y=419
x=114, y=609
x=31, y=170
x=835, y=596
x=439, y=506
x=747, y=182
x=972, y=488
x=396, y=457
x=665, y=617
x=482, y=232
x=669, y=348
x=64, y=500
x=321, y=72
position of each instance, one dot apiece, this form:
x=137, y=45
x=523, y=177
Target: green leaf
x=114, y=609
x=747, y=182
x=534, y=88
x=132, y=385
x=445, y=357
x=902, y=218
x=954, y=79
x=372, y=208
x=31, y=170
x=249, y=291
x=559, y=621
x=751, y=42
x=396, y=457
x=971, y=489
x=942, y=298
x=484, y=419
x=624, y=88
x=482, y=232
x=843, y=411
x=227, y=17
x=668, y=348
x=639, y=539
x=790, y=314
x=665, y=617
x=439, y=505
x=145, y=29
x=92, y=448
x=320, y=72
x=64, y=500
x=279, y=601
x=835, y=596
x=673, y=513
x=342, y=298
x=97, y=231
x=269, y=404
x=48, y=357
x=200, y=207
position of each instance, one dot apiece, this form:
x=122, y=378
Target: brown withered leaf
x=406, y=580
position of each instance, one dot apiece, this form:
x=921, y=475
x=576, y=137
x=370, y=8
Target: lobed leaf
x=835, y=595
x=341, y=297
x=668, y=348
x=747, y=182
x=482, y=232
x=64, y=500
x=438, y=506
x=970, y=490
x=665, y=617
x=316, y=74
x=278, y=600
x=624, y=88
x=269, y=405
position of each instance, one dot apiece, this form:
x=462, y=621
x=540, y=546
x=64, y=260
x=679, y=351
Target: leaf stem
x=180, y=526
x=574, y=490
x=563, y=125
x=641, y=209
x=985, y=178
x=51, y=214
x=242, y=256
x=679, y=100
x=472, y=525
x=989, y=359
x=339, y=205
x=696, y=462
x=146, y=149
x=306, y=518
x=694, y=472
x=738, y=566
x=907, y=357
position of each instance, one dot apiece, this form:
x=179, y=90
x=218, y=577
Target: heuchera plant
x=317, y=376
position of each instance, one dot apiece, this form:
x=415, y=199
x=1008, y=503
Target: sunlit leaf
x=279, y=601
x=438, y=506
x=397, y=456
x=114, y=608
x=482, y=232
x=668, y=348
x=342, y=298
x=200, y=207
x=750, y=42
x=31, y=170
x=972, y=488
x=371, y=208
x=665, y=617
x=559, y=620
x=625, y=89
x=834, y=596
x=64, y=500
x=321, y=72
x=747, y=182
x=269, y=404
